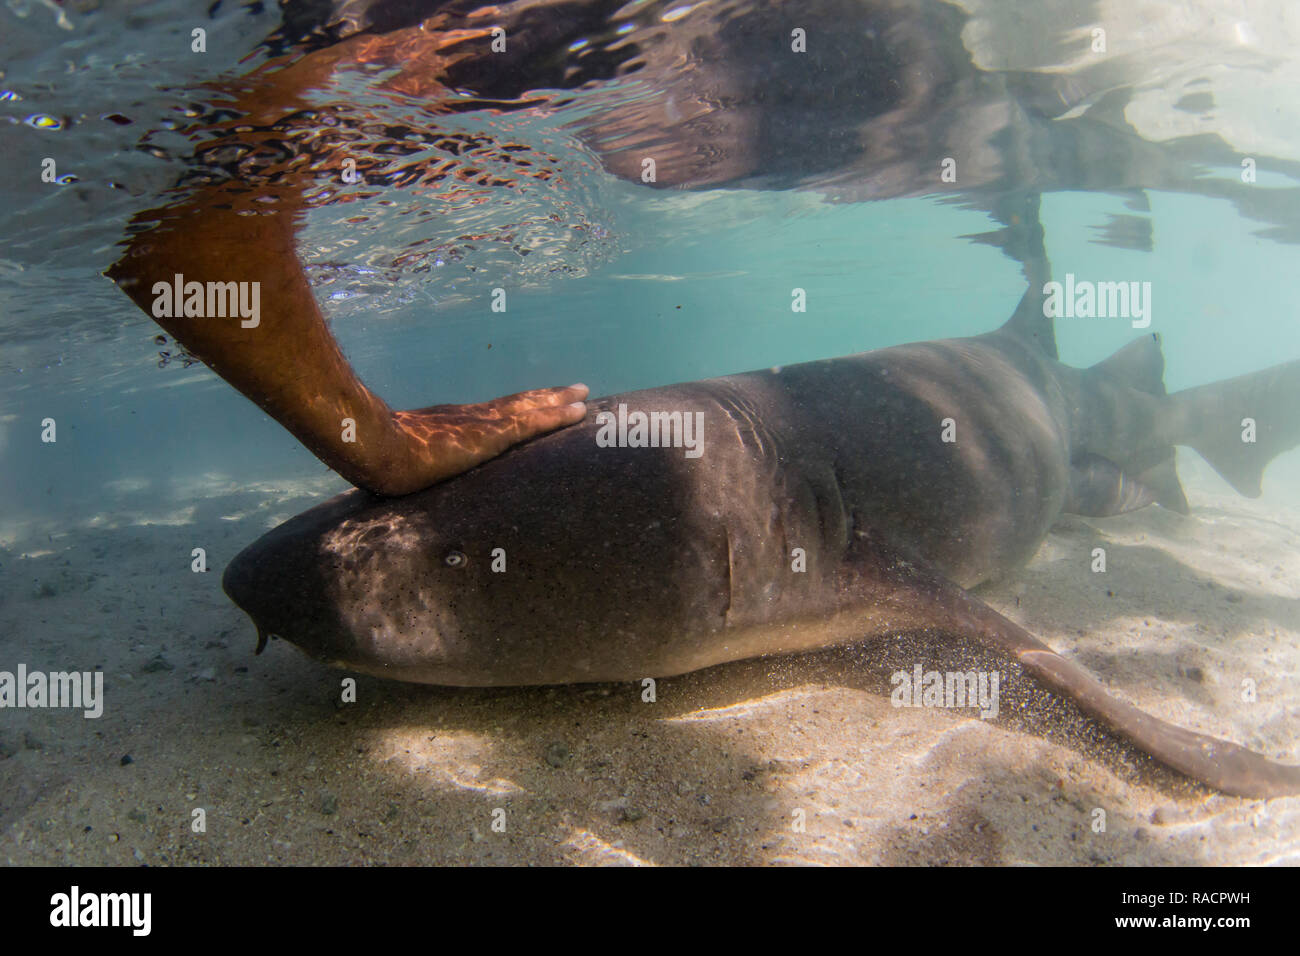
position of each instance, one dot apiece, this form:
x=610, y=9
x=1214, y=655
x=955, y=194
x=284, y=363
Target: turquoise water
x=699, y=287
x=674, y=285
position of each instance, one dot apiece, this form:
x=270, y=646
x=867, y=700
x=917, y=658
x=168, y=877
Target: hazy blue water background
x=674, y=304
x=680, y=285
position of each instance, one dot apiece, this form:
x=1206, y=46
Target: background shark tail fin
x=1241, y=424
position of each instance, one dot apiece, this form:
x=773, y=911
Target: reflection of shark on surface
x=834, y=502
x=858, y=99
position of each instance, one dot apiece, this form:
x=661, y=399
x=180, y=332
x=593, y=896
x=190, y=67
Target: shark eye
x=455, y=559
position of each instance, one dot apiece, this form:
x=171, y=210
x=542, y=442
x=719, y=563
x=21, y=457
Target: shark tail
x=1238, y=425
x=1241, y=424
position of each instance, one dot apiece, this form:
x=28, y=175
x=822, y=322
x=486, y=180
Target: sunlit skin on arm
x=290, y=364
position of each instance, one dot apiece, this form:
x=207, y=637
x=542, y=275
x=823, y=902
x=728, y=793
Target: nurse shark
x=815, y=505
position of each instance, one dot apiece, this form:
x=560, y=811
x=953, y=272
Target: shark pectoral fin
x=913, y=593
x=1099, y=487
x=1217, y=763
x=1162, y=482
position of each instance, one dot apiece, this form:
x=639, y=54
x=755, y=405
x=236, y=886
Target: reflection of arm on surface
x=289, y=364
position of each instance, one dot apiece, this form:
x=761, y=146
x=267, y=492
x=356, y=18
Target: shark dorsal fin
x=1140, y=365
x=1029, y=324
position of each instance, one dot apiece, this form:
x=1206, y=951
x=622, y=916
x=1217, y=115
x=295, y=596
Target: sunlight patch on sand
x=452, y=760
x=591, y=850
x=746, y=708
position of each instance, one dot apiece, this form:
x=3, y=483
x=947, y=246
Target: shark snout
x=275, y=583
x=242, y=585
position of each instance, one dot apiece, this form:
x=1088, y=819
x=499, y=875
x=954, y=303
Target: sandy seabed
x=793, y=760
